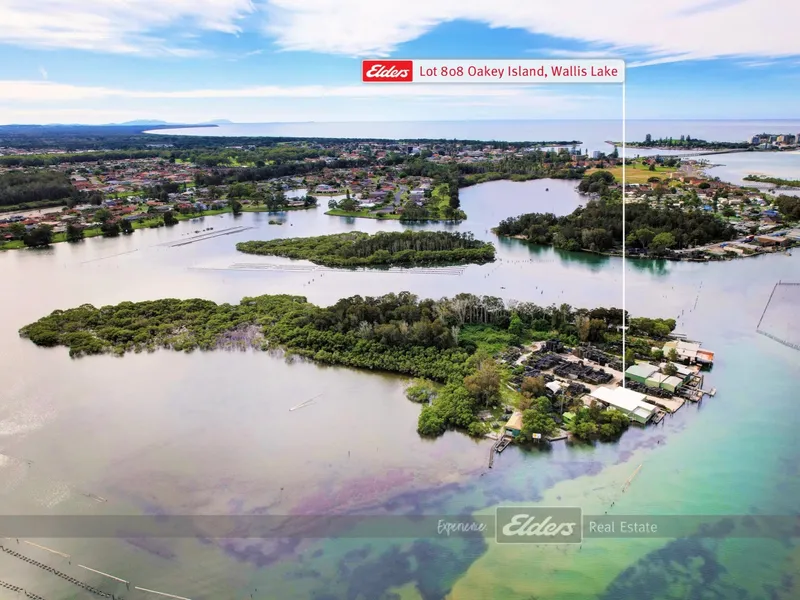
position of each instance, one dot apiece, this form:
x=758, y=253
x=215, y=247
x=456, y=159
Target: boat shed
x=640, y=372
x=514, y=424
x=655, y=380
x=626, y=401
x=671, y=384
x=690, y=352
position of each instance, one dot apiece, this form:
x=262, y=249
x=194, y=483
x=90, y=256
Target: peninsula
x=679, y=218
x=480, y=358
x=760, y=141
x=357, y=249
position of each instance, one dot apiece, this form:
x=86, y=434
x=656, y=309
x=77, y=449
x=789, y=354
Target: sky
x=190, y=61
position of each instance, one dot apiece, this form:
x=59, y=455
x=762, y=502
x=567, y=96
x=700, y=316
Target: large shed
x=640, y=372
x=626, y=401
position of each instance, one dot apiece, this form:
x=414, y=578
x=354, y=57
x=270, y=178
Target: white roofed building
x=633, y=404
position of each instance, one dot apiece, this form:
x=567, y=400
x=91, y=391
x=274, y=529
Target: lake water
x=592, y=133
x=212, y=433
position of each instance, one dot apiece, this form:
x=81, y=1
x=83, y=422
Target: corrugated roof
x=643, y=370
x=673, y=381
x=624, y=399
x=515, y=422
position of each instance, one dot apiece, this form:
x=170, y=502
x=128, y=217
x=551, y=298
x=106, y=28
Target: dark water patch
x=151, y=546
x=683, y=569
x=263, y=553
x=433, y=567
x=304, y=573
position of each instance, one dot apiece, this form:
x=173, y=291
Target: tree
x=348, y=204
x=74, y=233
x=38, y=236
x=536, y=420
x=110, y=228
x=236, y=206
x=17, y=230
x=102, y=215
x=662, y=242
x=170, y=219
x=630, y=357
x=126, y=226
x=672, y=355
x=516, y=327
x=533, y=387
x=645, y=236
x=430, y=422
x=484, y=383
x=670, y=369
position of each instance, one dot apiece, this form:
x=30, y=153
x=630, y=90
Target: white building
x=626, y=401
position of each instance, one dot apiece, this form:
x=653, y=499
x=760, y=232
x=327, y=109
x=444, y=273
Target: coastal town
x=72, y=196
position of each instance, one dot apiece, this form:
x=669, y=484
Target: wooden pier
x=499, y=445
x=502, y=444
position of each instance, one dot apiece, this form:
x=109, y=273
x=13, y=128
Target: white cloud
x=646, y=30
x=43, y=72
x=53, y=92
x=122, y=26
x=48, y=101
x=662, y=29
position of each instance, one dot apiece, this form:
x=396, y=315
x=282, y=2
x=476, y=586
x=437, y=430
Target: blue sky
x=97, y=61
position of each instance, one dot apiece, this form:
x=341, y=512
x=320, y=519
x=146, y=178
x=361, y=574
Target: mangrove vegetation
x=452, y=343
x=355, y=249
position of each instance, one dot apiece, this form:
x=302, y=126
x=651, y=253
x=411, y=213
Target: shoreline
x=148, y=223
x=706, y=259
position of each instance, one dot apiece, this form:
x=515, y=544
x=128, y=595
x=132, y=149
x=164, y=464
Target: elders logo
x=538, y=525
x=387, y=71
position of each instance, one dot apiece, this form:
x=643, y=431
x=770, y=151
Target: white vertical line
x=624, y=234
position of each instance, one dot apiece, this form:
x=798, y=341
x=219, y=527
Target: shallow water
x=212, y=433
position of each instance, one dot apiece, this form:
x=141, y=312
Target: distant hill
x=218, y=122
x=142, y=122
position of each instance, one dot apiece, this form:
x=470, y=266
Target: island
x=776, y=181
x=386, y=248
x=479, y=360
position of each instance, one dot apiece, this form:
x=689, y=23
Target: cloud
x=53, y=92
x=118, y=26
x=645, y=31
x=43, y=72
x=556, y=53
x=720, y=28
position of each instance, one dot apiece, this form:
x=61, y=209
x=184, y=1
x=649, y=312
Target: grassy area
x=487, y=337
x=32, y=206
x=361, y=214
x=637, y=172
x=265, y=209
x=441, y=195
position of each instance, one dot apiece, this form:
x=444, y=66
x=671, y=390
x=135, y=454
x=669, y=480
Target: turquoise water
x=212, y=433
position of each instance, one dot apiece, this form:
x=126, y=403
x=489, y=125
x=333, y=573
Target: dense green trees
x=110, y=228
x=170, y=219
x=789, y=207
x=538, y=419
x=395, y=332
x=595, y=422
x=39, y=236
x=74, y=233
x=20, y=187
x=384, y=248
x=597, y=227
